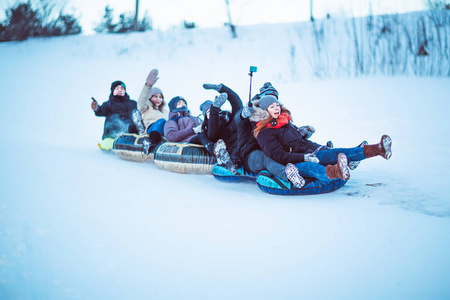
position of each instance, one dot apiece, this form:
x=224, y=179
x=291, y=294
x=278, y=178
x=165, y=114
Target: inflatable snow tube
x=222, y=174
x=274, y=185
x=184, y=158
x=129, y=147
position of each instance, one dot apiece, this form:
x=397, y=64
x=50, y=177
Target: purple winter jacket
x=178, y=127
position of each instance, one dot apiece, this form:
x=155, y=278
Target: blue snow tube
x=222, y=174
x=274, y=185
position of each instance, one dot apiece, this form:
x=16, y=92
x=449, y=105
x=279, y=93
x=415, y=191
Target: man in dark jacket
x=117, y=111
x=220, y=124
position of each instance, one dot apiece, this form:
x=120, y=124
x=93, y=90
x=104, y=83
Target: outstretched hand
x=210, y=86
x=152, y=77
x=94, y=104
x=220, y=100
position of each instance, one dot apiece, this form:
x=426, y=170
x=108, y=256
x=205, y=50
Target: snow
x=80, y=223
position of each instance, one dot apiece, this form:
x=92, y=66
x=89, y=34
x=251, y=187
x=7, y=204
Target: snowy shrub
x=414, y=43
x=23, y=21
x=124, y=25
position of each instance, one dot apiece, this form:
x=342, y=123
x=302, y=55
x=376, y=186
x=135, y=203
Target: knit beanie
x=266, y=101
x=268, y=89
x=153, y=91
x=205, y=106
x=117, y=83
x=173, y=104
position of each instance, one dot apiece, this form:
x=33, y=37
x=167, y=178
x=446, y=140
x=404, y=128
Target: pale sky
x=211, y=13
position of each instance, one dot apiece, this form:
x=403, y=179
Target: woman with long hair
x=281, y=140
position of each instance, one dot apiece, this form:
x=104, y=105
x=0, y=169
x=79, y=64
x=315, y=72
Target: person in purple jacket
x=181, y=125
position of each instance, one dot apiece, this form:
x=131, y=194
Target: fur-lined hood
x=259, y=114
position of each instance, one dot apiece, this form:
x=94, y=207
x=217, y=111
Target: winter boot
x=150, y=143
x=223, y=157
x=354, y=164
x=383, y=148
x=339, y=170
x=137, y=120
x=146, y=144
x=293, y=176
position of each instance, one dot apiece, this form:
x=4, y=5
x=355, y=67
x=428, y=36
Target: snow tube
x=222, y=174
x=106, y=144
x=274, y=185
x=129, y=147
x=184, y=158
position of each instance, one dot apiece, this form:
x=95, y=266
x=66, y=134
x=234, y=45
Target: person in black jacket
x=282, y=141
x=117, y=111
x=219, y=126
x=253, y=159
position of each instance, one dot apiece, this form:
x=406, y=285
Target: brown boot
x=339, y=170
x=383, y=148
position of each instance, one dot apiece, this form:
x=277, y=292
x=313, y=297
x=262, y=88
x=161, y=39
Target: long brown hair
x=262, y=124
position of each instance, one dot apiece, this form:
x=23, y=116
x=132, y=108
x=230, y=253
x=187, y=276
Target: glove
x=152, y=77
x=209, y=86
x=306, y=131
x=247, y=111
x=220, y=100
x=311, y=158
x=94, y=105
x=197, y=129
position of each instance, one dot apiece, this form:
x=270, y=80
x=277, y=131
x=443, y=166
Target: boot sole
x=220, y=144
x=386, y=141
x=293, y=176
x=343, y=166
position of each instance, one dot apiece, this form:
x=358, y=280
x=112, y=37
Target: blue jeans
x=157, y=126
x=313, y=170
x=329, y=156
x=258, y=161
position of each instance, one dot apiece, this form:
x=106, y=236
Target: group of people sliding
x=258, y=136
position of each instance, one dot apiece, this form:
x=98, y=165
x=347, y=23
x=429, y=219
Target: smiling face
x=157, y=99
x=119, y=91
x=274, y=110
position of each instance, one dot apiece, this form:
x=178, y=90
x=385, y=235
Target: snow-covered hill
x=79, y=223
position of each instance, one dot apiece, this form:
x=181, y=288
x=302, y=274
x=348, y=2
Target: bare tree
x=136, y=13
x=311, y=10
x=438, y=4
x=232, y=27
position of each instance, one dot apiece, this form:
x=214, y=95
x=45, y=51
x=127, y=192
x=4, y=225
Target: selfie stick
x=252, y=69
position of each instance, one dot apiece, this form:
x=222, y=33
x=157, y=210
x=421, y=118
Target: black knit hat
x=117, y=83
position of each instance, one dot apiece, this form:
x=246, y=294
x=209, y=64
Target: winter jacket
x=285, y=144
x=179, y=126
x=149, y=114
x=117, y=111
x=246, y=142
x=221, y=124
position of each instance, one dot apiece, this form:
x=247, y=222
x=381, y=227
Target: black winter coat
x=285, y=145
x=221, y=124
x=246, y=141
x=117, y=111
